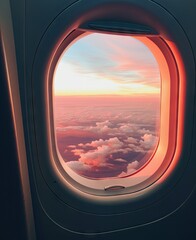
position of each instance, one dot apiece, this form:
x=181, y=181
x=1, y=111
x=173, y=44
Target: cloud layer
x=103, y=141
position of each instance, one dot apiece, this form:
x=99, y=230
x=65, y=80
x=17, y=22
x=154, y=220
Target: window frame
x=166, y=146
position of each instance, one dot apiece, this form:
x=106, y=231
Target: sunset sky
x=106, y=106
x=100, y=64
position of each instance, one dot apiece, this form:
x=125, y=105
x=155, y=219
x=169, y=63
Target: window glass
x=106, y=100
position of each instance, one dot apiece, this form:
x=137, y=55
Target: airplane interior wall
x=31, y=207
x=13, y=222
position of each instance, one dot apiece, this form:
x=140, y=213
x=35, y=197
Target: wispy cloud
x=119, y=61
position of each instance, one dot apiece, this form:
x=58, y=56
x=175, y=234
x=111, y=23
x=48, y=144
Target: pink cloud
x=99, y=156
x=72, y=146
x=144, y=131
x=112, y=143
x=131, y=140
x=102, y=127
x=129, y=57
x=120, y=160
x=148, y=141
x=131, y=168
x=77, y=152
x=135, y=148
x=78, y=166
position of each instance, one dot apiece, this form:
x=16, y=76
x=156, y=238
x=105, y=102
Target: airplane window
x=106, y=103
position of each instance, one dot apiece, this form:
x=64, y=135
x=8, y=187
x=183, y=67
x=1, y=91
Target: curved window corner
x=111, y=109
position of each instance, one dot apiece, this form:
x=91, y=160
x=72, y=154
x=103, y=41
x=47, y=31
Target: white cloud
x=131, y=140
x=148, y=141
x=112, y=142
x=133, y=165
x=78, y=166
x=103, y=149
x=135, y=148
x=128, y=128
x=144, y=131
x=131, y=168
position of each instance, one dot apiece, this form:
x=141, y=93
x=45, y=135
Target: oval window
x=106, y=99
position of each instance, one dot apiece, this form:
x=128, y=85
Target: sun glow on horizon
x=100, y=64
x=68, y=82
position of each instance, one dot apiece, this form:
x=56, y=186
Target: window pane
x=106, y=97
